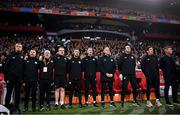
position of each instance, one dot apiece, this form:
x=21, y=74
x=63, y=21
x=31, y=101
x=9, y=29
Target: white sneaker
x=158, y=103
x=149, y=104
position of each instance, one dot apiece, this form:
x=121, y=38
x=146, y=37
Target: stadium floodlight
x=63, y=40
x=97, y=38
x=86, y=37
x=92, y=39
x=40, y=37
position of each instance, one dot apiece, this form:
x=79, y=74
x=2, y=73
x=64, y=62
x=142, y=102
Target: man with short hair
x=75, y=76
x=150, y=68
x=126, y=66
x=31, y=67
x=90, y=69
x=60, y=72
x=168, y=66
x=14, y=67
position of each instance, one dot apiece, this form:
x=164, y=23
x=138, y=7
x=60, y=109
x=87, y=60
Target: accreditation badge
x=45, y=69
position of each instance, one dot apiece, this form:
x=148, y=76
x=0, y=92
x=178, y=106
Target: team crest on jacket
x=112, y=60
x=58, y=57
x=21, y=57
x=27, y=61
x=104, y=59
x=72, y=61
x=93, y=59
x=51, y=61
x=35, y=62
x=79, y=62
x=132, y=57
x=13, y=57
x=125, y=57
x=148, y=59
x=65, y=59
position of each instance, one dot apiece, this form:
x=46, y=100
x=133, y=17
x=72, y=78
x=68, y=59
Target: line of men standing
x=32, y=71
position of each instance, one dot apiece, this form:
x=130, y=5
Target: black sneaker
x=122, y=104
x=86, y=104
x=95, y=105
x=33, y=109
x=56, y=106
x=103, y=105
x=80, y=106
x=16, y=111
x=176, y=102
x=70, y=106
x=25, y=110
x=135, y=103
x=63, y=107
x=48, y=107
x=112, y=104
x=41, y=108
x=169, y=104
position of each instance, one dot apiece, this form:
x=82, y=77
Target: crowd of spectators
x=29, y=24
x=41, y=43
x=98, y=8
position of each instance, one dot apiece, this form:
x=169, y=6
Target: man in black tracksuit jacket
x=126, y=66
x=107, y=67
x=75, y=77
x=45, y=78
x=150, y=68
x=168, y=66
x=14, y=67
x=60, y=74
x=90, y=68
x=30, y=79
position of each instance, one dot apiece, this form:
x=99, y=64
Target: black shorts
x=59, y=81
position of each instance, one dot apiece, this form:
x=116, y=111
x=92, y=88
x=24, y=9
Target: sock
x=61, y=102
x=157, y=100
x=56, y=103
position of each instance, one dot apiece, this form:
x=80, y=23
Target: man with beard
x=30, y=79
x=45, y=79
x=60, y=72
x=126, y=66
x=150, y=68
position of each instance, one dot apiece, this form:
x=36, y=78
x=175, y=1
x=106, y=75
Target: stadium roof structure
x=94, y=33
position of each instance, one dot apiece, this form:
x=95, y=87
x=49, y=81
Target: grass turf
x=128, y=109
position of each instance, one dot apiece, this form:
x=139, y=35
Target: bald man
x=107, y=68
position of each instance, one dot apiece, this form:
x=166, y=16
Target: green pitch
x=128, y=109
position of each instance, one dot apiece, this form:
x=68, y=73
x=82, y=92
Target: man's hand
x=177, y=63
x=109, y=75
